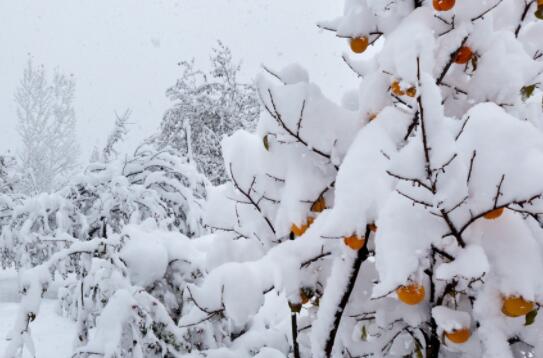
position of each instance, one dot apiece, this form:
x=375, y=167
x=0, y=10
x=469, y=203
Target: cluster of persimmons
x=463, y=55
x=413, y=293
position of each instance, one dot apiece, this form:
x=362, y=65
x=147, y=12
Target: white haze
x=124, y=53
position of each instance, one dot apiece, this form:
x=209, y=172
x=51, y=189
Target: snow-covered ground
x=52, y=333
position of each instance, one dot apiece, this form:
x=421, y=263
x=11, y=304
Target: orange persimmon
x=516, y=306
x=354, y=242
x=300, y=230
x=411, y=294
x=458, y=336
x=443, y=5
x=463, y=55
x=494, y=214
x=359, y=44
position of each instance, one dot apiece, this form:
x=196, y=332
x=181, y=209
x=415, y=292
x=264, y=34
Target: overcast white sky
x=124, y=53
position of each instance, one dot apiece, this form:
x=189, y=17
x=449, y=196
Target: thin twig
x=527, y=6
x=487, y=11
x=451, y=61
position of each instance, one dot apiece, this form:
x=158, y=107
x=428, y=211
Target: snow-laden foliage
x=116, y=136
x=430, y=243
x=406, y=222
x=81, y=236
x=206, y=107
x=46, y=123
x=150, y=184
x=9, y=198
x=9, y=177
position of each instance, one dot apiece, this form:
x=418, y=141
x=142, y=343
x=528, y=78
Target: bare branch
x=451, y=61
x=415, y=201
x=250, y=198
x=447, y=163
x=527, y=6
x=412, y=126
x=361, y=256
x=280, y=121
x=307, y=263
x=498, y=191
x=486, y=11
x=272, y=73
x=462, y=128
x=415, y=181
x=299, y=126
x=471, y=165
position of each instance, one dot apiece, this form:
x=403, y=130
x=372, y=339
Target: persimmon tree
x=407, y=223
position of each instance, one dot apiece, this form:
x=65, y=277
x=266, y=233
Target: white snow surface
x=53, y=334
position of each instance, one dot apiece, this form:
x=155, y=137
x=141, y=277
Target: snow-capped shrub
x=97, y=234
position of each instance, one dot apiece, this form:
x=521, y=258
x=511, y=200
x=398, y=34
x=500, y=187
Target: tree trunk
x=433, y=344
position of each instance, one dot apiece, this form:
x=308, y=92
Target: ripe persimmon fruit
x=319, y=205
x=300, y=230
x=411, y=91
x=359, y=44
x=396, y=89
x=443, y=5
x=463, y=55
x=494, y=214
x=458, y=336
x=516, y=306
x=354, y=242
x=411, y=294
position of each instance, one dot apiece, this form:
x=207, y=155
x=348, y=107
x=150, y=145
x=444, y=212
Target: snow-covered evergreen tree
x=46, y=123
x=206, y=107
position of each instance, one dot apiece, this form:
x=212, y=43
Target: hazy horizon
x=124, y=54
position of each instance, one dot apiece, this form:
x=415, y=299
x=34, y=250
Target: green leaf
x=527, y=91
x=266, y=142
x=530, y=318
x=418, y=351
x=539, y=12
x=364, y=334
